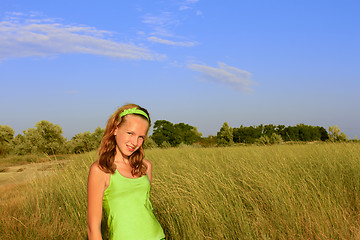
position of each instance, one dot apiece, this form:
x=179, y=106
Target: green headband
x=134, y=111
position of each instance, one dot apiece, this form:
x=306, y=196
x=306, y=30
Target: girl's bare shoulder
x=96, y=170
x=147, y=163
x=97, y=177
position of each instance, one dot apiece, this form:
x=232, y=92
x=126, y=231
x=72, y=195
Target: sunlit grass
x=308, y=191
x=13, y=160
x=53, y=207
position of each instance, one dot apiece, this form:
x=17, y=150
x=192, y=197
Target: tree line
x=47, y=137
x=272, y=134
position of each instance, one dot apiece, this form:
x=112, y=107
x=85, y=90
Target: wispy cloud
x=163, y=25
x=182, y=8
x=187, y=4
x=198, y=12
x=21, y=37
x=230, y=76
x=173, y=43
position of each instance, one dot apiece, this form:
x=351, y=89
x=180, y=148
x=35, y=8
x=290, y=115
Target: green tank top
x=128, y=209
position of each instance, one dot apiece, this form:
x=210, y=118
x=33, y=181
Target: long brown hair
x=107, y=147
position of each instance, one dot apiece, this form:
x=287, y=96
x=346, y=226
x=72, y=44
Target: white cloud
x=230, y=76
x=17, y=13
x=47, y=37
x=161, y=24
x=182, y=8
x=188, y=4
x=173, y=43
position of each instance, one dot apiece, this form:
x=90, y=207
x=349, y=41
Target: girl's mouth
x=131, y=149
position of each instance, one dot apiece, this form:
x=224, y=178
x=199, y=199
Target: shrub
x=149, y=143
x=165, y=144
x=274, y=139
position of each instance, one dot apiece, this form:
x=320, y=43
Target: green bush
x=165, y=144
x=149, y=143
x=274, y=139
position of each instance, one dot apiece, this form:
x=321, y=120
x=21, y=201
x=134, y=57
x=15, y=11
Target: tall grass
x=51, y=208
x=308, y=191
x=278, y=192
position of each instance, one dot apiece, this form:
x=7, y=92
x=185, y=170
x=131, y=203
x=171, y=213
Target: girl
x=119, y=181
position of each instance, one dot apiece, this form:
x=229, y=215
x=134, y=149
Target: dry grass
x=253, y=192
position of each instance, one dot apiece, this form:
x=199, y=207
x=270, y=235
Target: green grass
x=308, y=191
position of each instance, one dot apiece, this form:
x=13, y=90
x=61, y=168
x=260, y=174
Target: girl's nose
x=134, y=141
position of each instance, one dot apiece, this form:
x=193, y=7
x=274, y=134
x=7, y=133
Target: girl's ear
x=115, y=131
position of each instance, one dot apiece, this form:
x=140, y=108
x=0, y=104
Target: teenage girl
x=119, y=181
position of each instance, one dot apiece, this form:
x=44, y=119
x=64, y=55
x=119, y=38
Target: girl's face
x=130, y=135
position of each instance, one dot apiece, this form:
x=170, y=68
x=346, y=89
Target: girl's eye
x=130, y=133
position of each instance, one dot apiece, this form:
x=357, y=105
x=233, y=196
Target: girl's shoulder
x=95, y=166
x=97, y=176
x=147, y=163
x=96, y=170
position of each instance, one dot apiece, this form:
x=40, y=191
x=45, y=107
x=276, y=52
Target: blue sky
x=193, y=61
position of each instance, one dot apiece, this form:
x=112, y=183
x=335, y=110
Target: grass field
x=300, y=191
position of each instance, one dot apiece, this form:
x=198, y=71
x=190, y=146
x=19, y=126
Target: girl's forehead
x=135, y=121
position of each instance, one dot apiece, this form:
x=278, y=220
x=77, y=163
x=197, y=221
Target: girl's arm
x=149, y=169
x=95, y=191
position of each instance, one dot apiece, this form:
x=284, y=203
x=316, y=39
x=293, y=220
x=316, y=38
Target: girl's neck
x=120, y=158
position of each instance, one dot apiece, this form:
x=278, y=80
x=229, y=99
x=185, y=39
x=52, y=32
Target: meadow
x=298, y=191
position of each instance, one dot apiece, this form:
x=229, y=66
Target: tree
x=269, y=129
x=279, y=129
x=187, y=133
x=97, y=136
x=174, y=134
x=304, y=132
x=323, y=133
x=85, y=142
x=81, y=142
x=149, y=143
x=225, y=135
x=290, y=133
x=46, y=137
x=209, y=141
x=6, y=137
x=50, y=139
x=335, y=135
x=247, y=134
x=164, y=131
x=26, y=143
x=300, y=132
